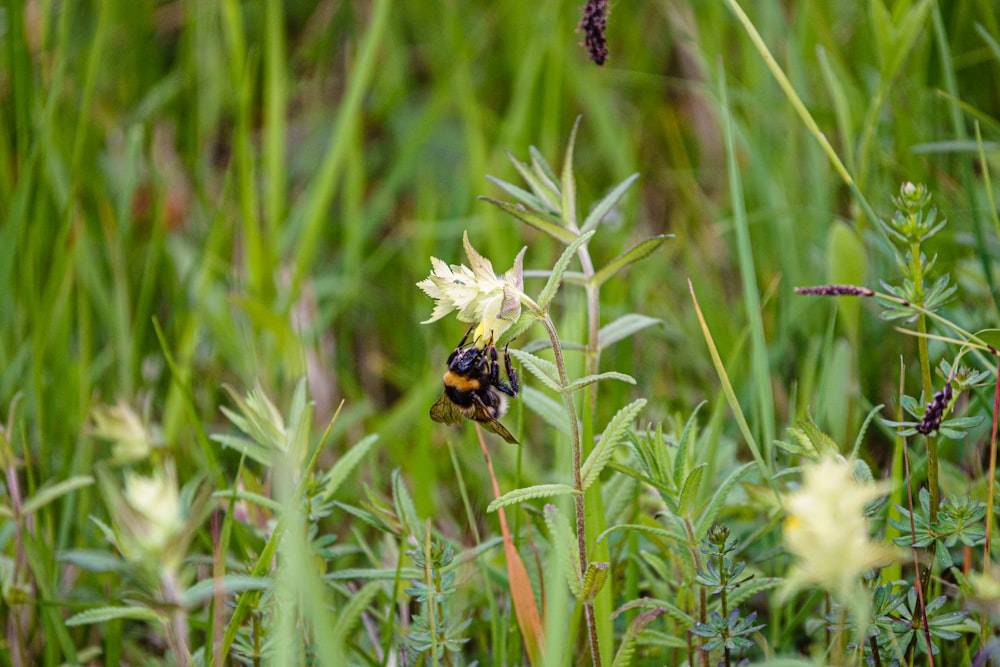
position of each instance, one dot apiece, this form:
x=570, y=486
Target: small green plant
x=726, y=629
x=500, y=311
x=433, y=632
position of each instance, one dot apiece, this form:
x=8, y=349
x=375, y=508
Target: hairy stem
x=577, y=445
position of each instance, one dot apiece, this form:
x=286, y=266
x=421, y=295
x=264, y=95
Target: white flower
x=156, y=510
x=119, y=423
x=827, y=530
x=478, y=294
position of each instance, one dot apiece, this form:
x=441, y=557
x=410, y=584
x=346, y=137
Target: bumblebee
x=473, y=388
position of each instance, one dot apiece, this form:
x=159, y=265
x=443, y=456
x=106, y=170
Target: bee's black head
x=468, y=361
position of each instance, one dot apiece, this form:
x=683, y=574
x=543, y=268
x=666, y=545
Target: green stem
x=724, y=585
x=916, y=271
x=577, y=446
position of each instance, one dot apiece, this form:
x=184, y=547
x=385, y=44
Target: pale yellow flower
x=156, y=513
x=827, y=531
x=131, y=439
x=478, y=295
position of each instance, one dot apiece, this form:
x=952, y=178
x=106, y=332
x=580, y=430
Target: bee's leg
x=494, y=367
x=466, y=336
x=515, y=385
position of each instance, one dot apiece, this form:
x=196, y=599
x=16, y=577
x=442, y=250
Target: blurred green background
x=266, y=182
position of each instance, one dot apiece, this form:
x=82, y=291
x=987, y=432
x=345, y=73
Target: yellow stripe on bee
x=460, y=383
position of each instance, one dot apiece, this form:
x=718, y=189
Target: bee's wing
x=445, y=412
x=494, y=426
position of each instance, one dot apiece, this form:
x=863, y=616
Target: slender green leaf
x=93, y=560
x=689, y=490
x=105, y=614
x=546, y=407
x=569, y=181
x=727, y=389
x=47, y=494
x=650, y=531
x=675, y=612
x=593, y=580
x=680, y=458
x=605, y=205
x=623, y=327
x=605, y=447
x=539, y=491
x=540, y=222
x=552, y=286
x=256, y=498
x=577, y=385
x=715, y=505
x=542, y=190
x=623, y=658
x=373, y=574
x=543, y=171
x=345, y=464
x=542, y=369
x=351, y=613
x=230, y=583
x=520, y=194
x=405, y=510
x=632, y=255
x=864, y=428
x=753, y=587
x=564, y=542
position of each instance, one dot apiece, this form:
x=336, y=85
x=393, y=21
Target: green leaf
x=517, y=193
x=622, y=328
x=669, y=608
x=538, y=185
x=665, y=533
x=47, y=494
x=564, y=542
x=718, y=500
x=751, y=588
x=689, y=490
x=665, y=491
x=373, y=574
x=105, y=614
x=593, y=581
x=680, y=458
x=552, y=286
x=93, y=560
x=569, y=181
x=255, y=498
x=339, y=472
x=630, y=256
x=864, y=427
x=349, y=615
x=546, y=407
x=405, y=510
x=540, y=222
x=605, y=447
x=230, y=583
x=605, y=205
x=543, y=171
x=258, y=453
x=623, y=658
x=538, y=491
x=810, y=435
x=542, y=369
x=577, y=385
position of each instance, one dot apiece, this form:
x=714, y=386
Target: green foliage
x=212, y=218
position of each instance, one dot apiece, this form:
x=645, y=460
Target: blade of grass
x=727, y=389
x=748, y=274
